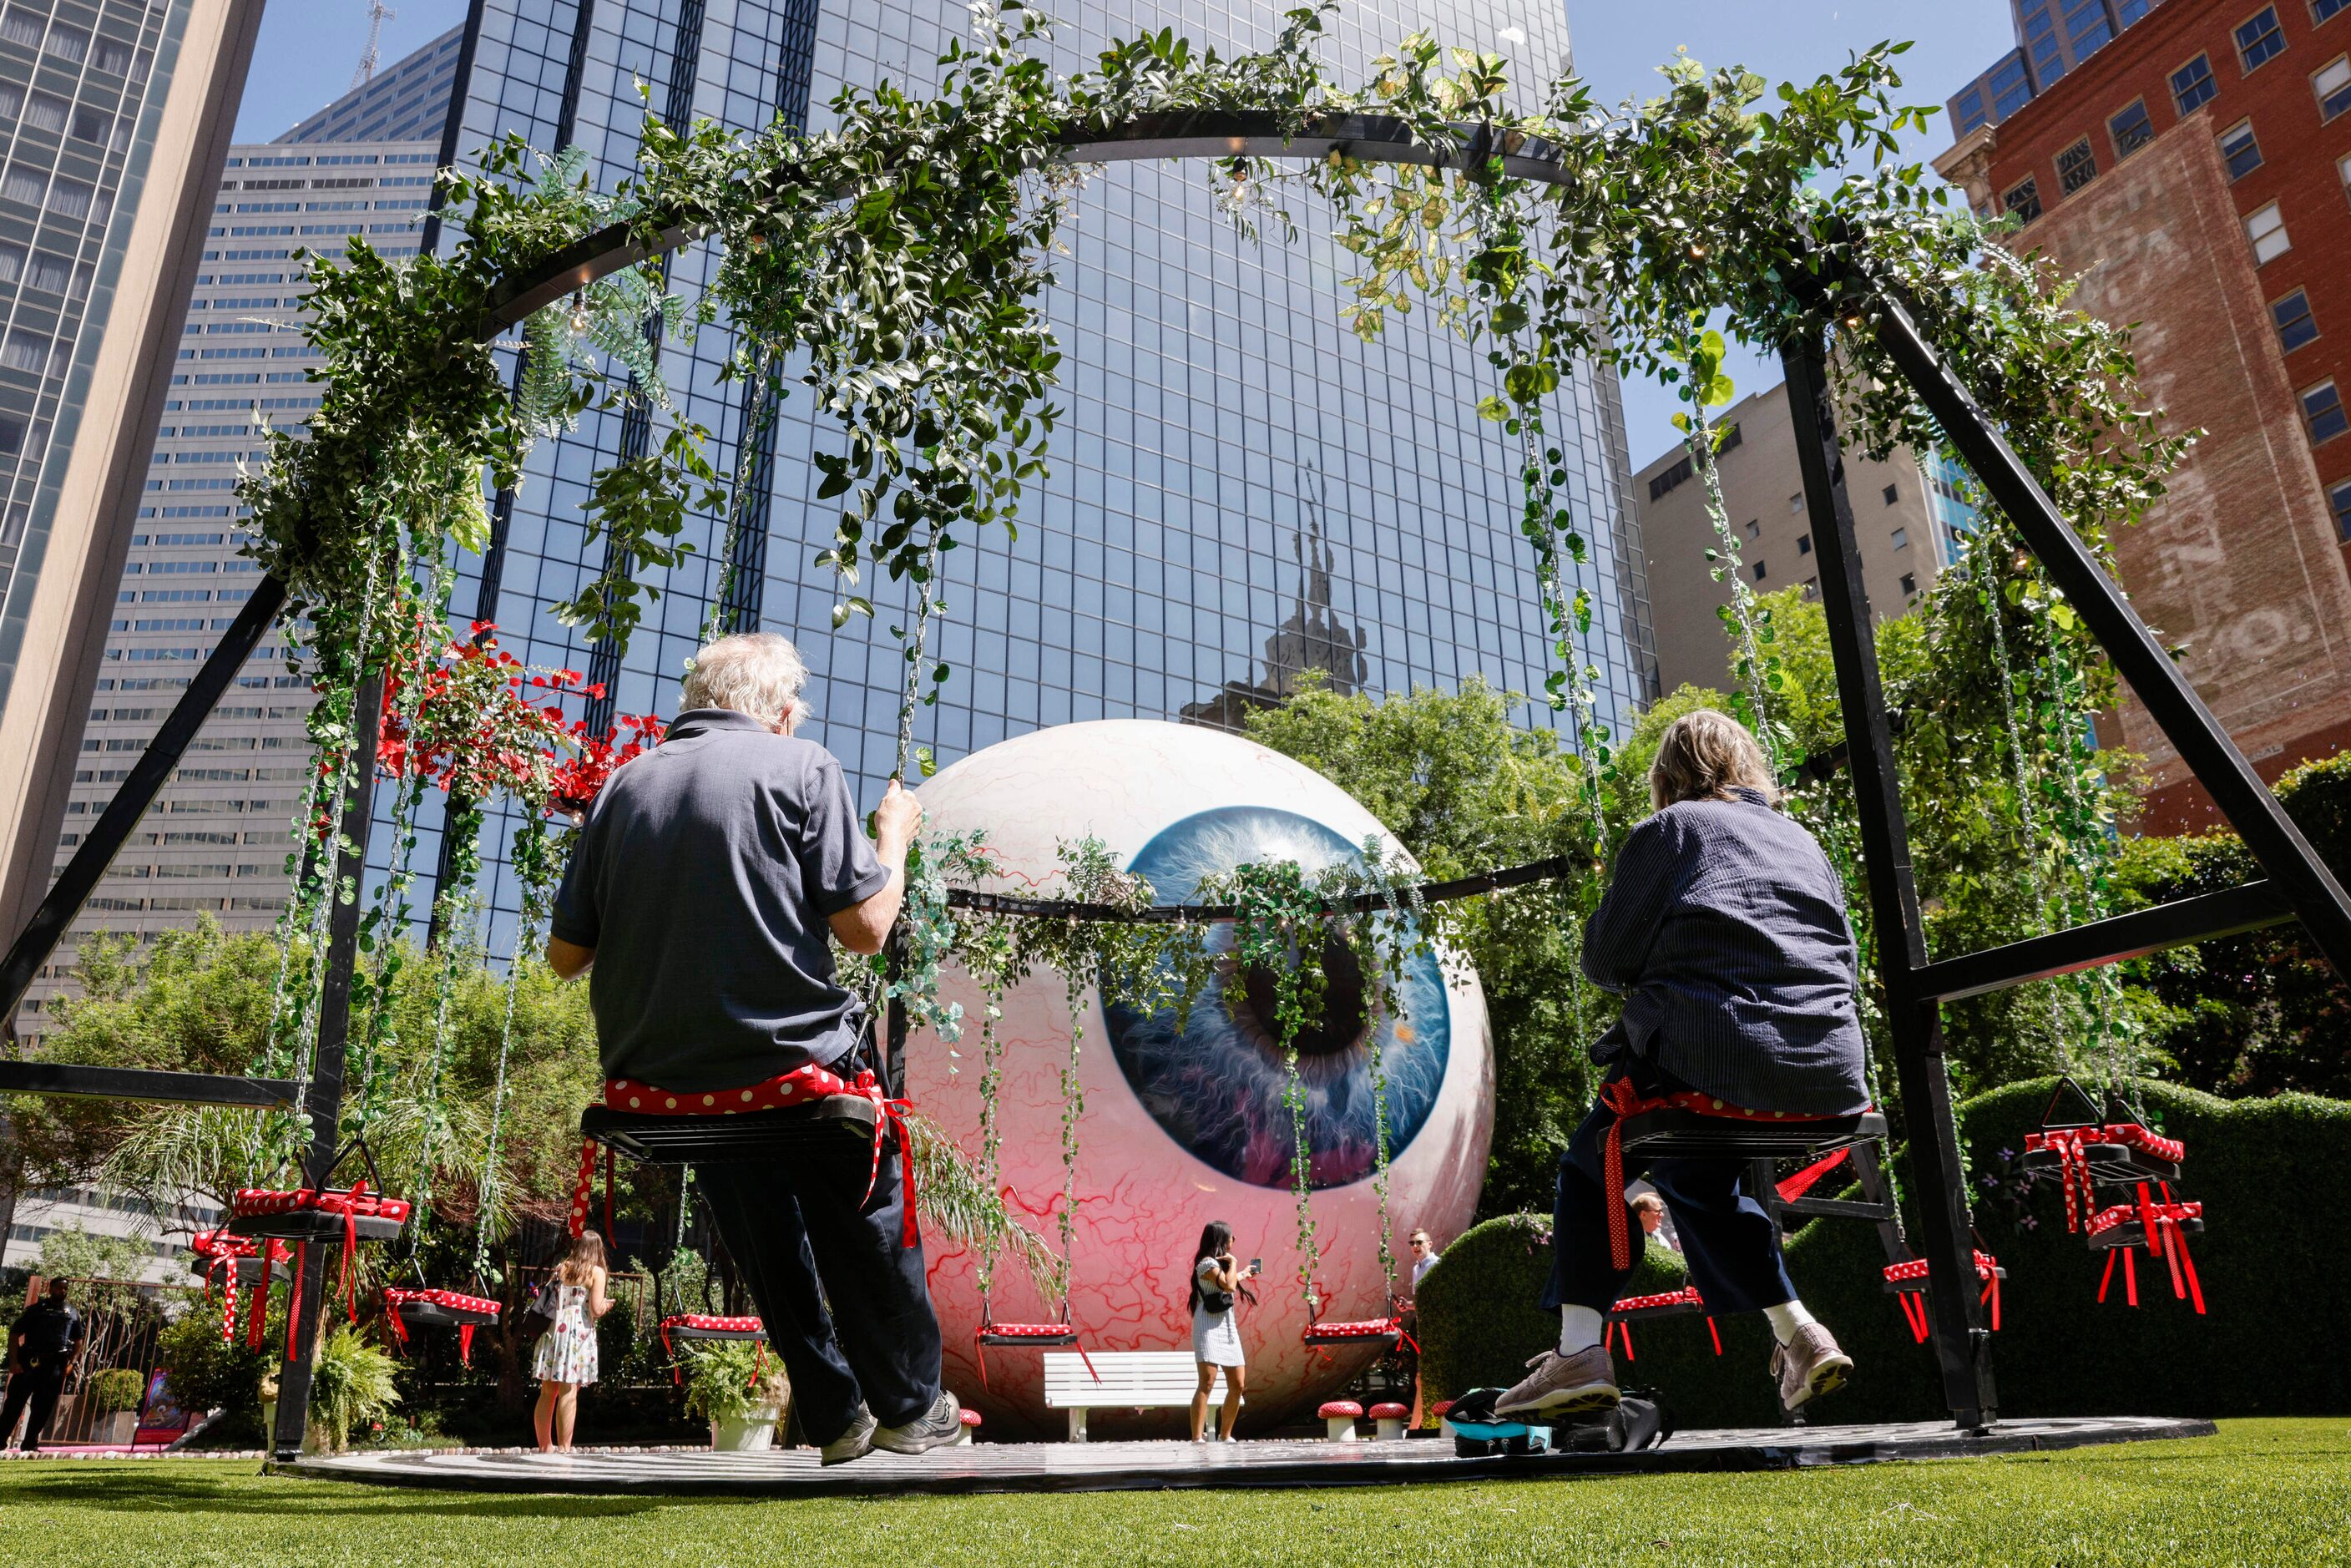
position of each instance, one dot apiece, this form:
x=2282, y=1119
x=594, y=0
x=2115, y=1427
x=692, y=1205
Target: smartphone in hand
x=1257, y=1265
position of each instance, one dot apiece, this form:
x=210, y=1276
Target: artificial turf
x=2262, y=1491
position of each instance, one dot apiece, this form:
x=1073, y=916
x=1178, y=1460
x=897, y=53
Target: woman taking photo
x=1215, y=1337
x=566, y=1358
x=1724, y=929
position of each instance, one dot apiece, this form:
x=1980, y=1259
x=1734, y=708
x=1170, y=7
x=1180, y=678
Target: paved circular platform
x=1123, y=1466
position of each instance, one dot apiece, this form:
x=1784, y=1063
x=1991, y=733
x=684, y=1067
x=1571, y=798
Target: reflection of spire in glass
x=1240, y=490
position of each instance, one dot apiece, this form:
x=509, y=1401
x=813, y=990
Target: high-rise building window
x=2086, y=26
x=2320, y=10
x=1758, y=571
x=2131, y=129
x=2266, y=230
x=2192, y=86
x=2332, y=84
x=1969, y=110
x=1902, y=539
x=2239, y=150
x=2295, y=324
x=2024, y=201
x=2012, y=86
x=2340, y=500
x=1804, y=544
x=1892, y=495
x=1909, y=585
x=2259, y=37
x=2076, y=166
x=2131, y=10
x=2322, y=410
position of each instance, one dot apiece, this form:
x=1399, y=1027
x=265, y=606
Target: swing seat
x=1388, y=1332
x=2119, y=1153
x=1027, y=1333
x=424, y=1309
x=2124, y=1224
x=1679, y=1131
x=709, y=1327
x=657, y=1139
x=306, y=1214
x=1909, y=1276
x=1684, y=1303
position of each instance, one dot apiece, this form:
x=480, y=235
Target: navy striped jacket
x=1724, y=928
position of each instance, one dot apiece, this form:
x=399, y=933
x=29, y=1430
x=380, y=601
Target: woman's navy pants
x=1727, y=1237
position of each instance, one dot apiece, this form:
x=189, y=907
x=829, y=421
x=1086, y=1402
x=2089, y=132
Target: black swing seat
x=1675, y=1133
x=435, y=1315
x=2117, y=1165
x=826, y=1123
x=2133, y=1234
x=314, y=1225
x=1027, y=1333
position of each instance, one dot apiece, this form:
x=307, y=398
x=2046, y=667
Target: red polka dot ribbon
x=1621, y=1098
x=801, y=1086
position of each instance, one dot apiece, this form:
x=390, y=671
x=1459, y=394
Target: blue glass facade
x=1239, y=489
x=2052, y=37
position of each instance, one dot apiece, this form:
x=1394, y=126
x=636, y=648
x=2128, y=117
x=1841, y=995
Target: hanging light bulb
x=580, y=313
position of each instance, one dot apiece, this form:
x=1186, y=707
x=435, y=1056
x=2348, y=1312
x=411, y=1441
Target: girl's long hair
x=580, y=1259
x=1216, y=1239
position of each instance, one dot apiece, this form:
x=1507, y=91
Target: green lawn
x=2262, y=1491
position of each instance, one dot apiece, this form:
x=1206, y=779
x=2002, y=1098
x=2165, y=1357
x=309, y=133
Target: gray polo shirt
x=703, y=880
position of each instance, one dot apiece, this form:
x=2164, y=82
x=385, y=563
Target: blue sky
x=309, y=49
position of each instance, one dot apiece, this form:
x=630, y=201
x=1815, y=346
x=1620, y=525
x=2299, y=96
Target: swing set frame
x=2297, y=884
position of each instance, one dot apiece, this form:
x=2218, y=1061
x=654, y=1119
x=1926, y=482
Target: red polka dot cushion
x=712, y=1323
x=1687, y=1296
x=797, y=1087
x=1916, y=1268
x=1027, y=1330
x=455, y=1301
x=268, y=1200
x=2105, y=1219
x=1375, y=1328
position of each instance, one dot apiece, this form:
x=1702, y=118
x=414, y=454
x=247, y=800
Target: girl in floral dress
x=566, y=1356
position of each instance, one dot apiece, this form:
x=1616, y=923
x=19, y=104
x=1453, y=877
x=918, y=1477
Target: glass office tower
x=1240, y=490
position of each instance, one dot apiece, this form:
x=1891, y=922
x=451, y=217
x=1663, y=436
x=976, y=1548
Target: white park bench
x=1123, y=1380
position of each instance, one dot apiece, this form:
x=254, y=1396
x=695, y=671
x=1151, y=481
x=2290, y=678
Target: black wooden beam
x=1946, y=1235
x=120, y=819
x=69, y=1079
x=2234, y=910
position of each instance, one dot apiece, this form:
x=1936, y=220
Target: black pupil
x=1343, y=1011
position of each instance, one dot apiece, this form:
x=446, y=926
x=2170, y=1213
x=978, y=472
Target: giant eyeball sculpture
x=1183, y=1121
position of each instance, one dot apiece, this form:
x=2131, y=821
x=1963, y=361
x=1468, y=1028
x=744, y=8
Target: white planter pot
x=744, y=1435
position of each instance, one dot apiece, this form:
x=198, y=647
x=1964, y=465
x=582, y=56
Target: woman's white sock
x=1787, y=1317
x=1580, y=1328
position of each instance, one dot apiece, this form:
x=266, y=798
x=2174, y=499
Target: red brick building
x=2196, y=173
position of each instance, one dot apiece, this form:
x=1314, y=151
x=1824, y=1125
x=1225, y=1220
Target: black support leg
x=326, y=1097
x=1961, y=1342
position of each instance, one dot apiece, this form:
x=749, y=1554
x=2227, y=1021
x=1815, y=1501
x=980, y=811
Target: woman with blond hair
x=1724, y=929
x=565, y=1360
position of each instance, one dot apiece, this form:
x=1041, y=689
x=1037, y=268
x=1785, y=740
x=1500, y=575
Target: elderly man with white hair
x=705, y=884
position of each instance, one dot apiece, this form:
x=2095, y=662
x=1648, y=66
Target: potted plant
x=351, y=1388
x=740, y=1390
x=269, y=1410
x=114, y=1395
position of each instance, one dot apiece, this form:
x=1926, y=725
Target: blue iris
x=1213, y=1082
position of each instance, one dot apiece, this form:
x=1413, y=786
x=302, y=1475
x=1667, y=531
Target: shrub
x=208, y=1373
x=350, y=1385
x=732, y=1380
x=2271, y=1268
x=116, y=1389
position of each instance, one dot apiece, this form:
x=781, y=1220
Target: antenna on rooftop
x=378, y=15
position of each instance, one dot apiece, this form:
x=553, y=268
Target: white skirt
x=1215, y=1338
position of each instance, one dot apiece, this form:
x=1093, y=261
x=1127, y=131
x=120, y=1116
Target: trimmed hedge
x=2275, y=1267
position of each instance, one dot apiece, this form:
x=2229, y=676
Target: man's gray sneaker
x=934, y=1428
x=1809, y=1365
x=855, y=1443
x=1579, y=1385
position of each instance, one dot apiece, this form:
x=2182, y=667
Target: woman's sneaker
x=855, y=1443
x=1809, y=1365
x=1579, y=1385
x=936, y=1428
